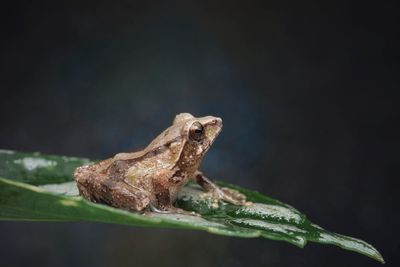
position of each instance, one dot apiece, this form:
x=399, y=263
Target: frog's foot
x=230, y=195
x=172, y=210
x=221, y=193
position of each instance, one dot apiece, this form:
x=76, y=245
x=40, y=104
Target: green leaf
x=38, y=187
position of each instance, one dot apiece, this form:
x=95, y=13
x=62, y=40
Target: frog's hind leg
x=122, y=195
x=84, y=178
x=99, y=188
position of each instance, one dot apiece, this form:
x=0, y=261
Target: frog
x=151, y=179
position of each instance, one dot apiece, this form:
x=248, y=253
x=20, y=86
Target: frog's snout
x=217, y=122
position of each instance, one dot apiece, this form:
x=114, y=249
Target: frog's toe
x=173, y=210
x=232, y=196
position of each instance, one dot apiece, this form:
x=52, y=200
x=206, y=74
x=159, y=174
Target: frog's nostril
x=217, y=121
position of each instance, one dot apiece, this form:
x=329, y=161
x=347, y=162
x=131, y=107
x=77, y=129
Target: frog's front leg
x=98, y=187
x=164, y=198
x=222, y=193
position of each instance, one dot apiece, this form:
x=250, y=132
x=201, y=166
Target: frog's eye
x=196, y=131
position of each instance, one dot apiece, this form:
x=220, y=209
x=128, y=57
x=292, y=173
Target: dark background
x=306, y=91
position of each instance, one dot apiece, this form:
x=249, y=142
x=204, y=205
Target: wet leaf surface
x=38, y=187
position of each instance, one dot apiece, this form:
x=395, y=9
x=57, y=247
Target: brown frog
x=153, y=177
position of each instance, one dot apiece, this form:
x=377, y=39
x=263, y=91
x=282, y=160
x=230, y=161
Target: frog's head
x=199, y=134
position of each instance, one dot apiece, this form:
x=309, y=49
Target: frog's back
x=159, y=156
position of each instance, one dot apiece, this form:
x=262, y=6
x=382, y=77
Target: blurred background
x=306, y=91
